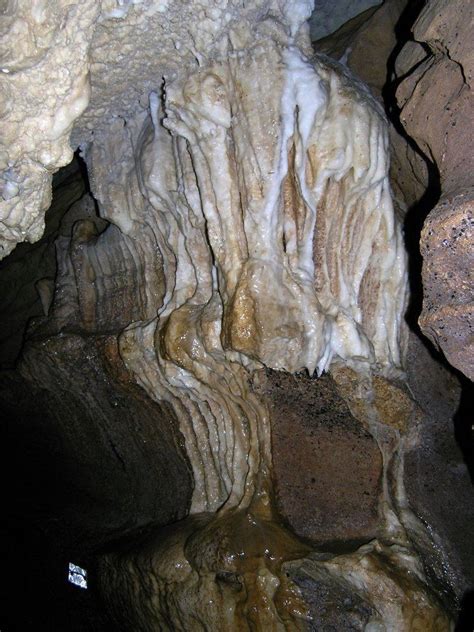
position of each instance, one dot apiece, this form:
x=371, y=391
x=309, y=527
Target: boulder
x=327, y=467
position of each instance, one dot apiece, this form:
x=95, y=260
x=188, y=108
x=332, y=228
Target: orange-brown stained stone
x=327, y=467
x=394, y=406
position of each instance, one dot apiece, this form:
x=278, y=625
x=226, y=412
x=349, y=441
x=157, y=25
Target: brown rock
x=367, y=41
x=327, y=467
x=436, y=101
x=394, y=406
x=448, y=279
x=356, y=391
x=435, y=94
x=375, y=400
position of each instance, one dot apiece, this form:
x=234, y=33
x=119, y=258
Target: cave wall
x=216, y=238
x=436, y=103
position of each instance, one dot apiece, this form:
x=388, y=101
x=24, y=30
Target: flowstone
x=280, y=249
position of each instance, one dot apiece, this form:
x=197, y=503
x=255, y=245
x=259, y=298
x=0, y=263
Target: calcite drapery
x=246, y=206
x=279, y=249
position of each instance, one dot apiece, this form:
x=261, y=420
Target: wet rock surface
x=334, y=606
x=327, y=467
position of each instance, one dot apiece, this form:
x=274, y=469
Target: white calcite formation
x=44, y=87
x=261, y=174
x=266, y=179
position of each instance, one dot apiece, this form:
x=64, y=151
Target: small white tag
x=77, y=576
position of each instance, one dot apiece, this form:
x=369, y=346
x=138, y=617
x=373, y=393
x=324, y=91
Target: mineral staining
x=279, y=246
x=208, y=573
x=265, y=173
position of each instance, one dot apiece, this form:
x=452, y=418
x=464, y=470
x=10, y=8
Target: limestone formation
x=44, y=87
x=367, y=45
x=432, y=77
x=239, y=234
x=246, y=206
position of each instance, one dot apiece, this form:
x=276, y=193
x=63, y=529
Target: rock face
x=436, y=104
x=370, y=36
x=134, y=439
x=333, y=604
x=438, y=479
x=397, y=596
x=220, y=240
x=448, y=305
x=318, y=446
x=327, y=17
x=436, y=96
x=118, y=462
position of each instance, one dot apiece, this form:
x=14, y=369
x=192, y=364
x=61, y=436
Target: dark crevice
x=463, y=423
x=30, y=263
x=465, y=621
x=417, y=213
